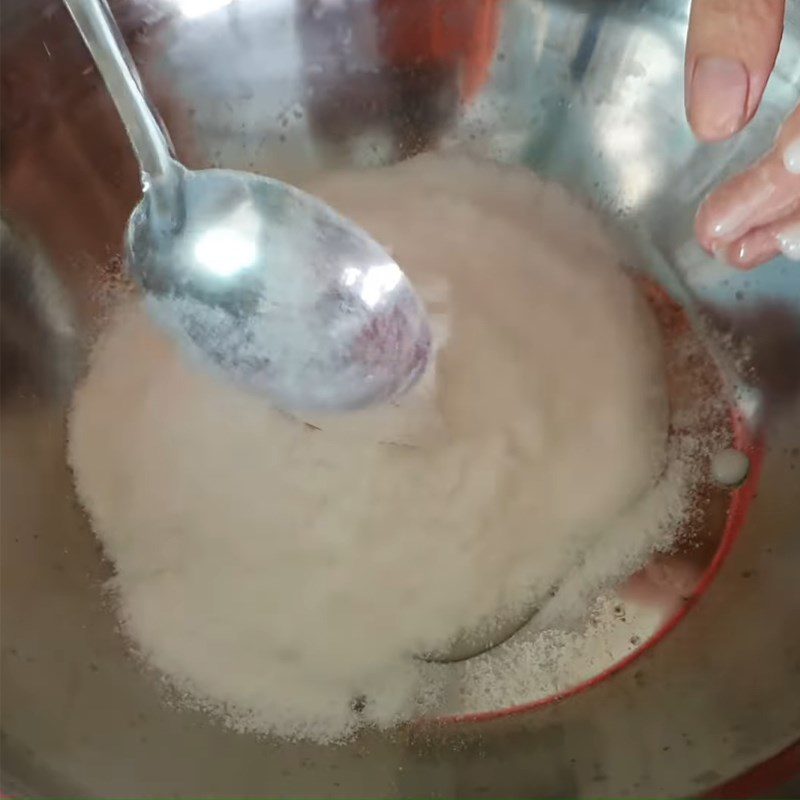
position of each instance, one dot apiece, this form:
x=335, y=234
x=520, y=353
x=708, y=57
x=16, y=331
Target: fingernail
x=743, y=254
x=718, y=97
x=791, y=156
x=734, y=220
x=789, y=242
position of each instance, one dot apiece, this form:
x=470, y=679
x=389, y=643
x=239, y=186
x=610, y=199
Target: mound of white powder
x=277, y=568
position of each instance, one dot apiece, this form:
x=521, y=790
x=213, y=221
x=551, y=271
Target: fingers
x=730, y=53
x=764, y=243
x=762, y=195
x=743, y=221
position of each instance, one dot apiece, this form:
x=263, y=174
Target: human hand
x=730, y=54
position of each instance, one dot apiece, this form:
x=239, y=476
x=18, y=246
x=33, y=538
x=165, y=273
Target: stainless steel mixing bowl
x=589, y=93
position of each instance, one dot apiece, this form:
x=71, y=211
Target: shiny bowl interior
x=587, y=93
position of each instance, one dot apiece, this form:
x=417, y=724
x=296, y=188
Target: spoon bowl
x=272, y=287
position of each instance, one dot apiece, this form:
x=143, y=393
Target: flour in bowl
x=277, y=569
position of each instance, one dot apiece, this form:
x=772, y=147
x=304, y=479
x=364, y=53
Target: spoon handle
x=113, y=59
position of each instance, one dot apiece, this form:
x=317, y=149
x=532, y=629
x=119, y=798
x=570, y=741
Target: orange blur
x=461, y=33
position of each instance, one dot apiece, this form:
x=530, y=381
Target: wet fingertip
x=709, y=234
x=707, y=223
x=720, y=253
x=791, y=156
x=701, y=229
x=746, y=255
x=740, y=255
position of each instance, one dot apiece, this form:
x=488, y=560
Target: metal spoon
x=263, y=281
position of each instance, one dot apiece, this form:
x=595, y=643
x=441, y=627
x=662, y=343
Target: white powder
x=276, y=570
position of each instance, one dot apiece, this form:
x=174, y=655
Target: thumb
x=730, y=53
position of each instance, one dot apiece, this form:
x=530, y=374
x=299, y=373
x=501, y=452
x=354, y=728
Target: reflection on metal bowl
x=586, y=93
